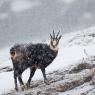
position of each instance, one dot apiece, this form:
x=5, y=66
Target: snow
x=5, y=58
x=22, y=5
x=6, y=82
x=71, y=51
x=78, y=90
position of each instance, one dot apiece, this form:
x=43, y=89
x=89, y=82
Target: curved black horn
x=57, y=34
x=59, y=37
x=53, y=34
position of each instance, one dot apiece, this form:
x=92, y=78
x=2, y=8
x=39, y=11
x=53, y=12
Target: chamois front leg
x=15, y=81
x=44, y=75
x=32, y=71
x=21, y=81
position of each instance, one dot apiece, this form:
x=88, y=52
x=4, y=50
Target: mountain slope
x=75, y=48
x=77, y=80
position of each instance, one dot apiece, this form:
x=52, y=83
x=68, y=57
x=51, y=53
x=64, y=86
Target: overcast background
x=32, y=20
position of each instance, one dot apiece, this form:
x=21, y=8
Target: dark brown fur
x=31, y=56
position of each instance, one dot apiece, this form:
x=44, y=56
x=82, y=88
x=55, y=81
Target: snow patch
x=83, y=88
x=6, y=82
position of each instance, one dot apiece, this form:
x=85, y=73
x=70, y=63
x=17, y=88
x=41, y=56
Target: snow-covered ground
x=71, y=51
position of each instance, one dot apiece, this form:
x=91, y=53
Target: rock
x=6, y=69
x=81, y=67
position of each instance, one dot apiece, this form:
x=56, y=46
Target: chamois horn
x=57, y=34
x=53, y=34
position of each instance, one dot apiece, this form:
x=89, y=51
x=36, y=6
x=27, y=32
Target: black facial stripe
x=55, y=44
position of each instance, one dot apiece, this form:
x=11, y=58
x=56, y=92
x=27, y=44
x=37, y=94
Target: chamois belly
x=42, y=56
x=40, y=61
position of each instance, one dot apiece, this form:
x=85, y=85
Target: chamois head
x=54, y=42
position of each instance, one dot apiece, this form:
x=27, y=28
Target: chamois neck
x=54, y=49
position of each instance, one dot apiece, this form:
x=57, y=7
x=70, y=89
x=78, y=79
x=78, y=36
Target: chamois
x=33, y=56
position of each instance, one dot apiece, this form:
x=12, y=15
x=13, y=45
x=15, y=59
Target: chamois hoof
x=22, y=87
x=27, y=85
x=46, y=82
x=16, y=89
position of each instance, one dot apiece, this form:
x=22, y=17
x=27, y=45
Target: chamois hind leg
x=32, y=72
x=44, y=75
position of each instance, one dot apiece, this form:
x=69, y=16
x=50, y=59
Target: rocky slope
x=76, y=79
x=71, y=73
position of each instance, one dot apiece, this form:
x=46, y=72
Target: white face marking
x=54, y=43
